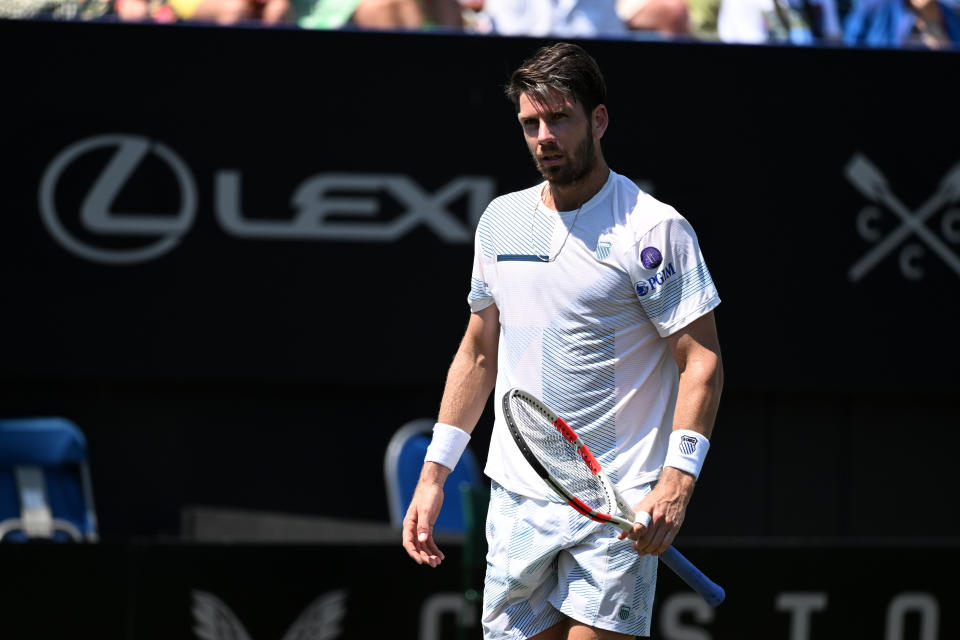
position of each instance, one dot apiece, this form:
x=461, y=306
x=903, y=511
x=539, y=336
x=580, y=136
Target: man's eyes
x=553, y=117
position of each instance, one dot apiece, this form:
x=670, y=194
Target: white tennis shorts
x=546, y=561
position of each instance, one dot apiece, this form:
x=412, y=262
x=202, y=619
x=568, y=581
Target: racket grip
x=707, y=588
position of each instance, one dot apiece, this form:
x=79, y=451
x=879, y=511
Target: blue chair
x=401, y=468
x=45, y=488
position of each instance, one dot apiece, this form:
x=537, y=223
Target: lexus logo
x=97, y=216
x=331, y=207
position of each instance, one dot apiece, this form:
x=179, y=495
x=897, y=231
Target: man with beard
x=595, y=297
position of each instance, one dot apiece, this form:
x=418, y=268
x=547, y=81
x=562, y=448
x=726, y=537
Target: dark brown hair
x=564, y=67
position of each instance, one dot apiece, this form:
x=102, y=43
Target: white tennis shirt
x=585, y=332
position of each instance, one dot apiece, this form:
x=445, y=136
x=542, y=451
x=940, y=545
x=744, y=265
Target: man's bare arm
x=471, y=378
x=696, y=349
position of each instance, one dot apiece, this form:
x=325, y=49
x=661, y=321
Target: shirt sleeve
x=484, y=270
x=671, y=279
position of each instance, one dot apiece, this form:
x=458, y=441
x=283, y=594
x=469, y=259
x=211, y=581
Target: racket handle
x=707, y=588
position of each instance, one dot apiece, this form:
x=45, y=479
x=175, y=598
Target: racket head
x=559, y=456
x=518, y=406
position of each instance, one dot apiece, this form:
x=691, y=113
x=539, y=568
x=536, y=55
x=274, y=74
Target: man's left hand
x=667, y=506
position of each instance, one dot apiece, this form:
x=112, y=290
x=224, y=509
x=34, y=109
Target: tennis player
x=595, y=297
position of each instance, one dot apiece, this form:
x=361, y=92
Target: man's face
x=559, y=136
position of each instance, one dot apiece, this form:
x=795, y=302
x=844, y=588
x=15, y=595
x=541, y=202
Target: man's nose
x=545, y=134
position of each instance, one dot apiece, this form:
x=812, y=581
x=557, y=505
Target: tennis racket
x=558, y=456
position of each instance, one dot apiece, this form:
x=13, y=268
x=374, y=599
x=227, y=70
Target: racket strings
x=559, y=456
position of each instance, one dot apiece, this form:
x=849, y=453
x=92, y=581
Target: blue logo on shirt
x=644, y=287
x=603, y=250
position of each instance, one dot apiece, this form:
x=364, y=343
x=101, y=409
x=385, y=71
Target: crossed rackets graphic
x=866, y=177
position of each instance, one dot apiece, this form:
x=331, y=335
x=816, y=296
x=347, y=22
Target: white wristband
x=447, y=445
x=686, y=451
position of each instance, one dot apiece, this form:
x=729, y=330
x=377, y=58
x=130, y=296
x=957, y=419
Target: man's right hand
x=422, y=514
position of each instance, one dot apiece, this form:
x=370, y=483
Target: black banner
x=328, y=592
x=227, y=252
x=273, y=204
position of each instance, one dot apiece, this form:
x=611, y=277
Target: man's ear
x=599, y=120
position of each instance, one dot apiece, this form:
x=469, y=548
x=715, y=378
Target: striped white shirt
x=585, y=332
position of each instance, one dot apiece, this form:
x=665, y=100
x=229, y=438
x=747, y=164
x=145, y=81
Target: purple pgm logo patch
x=651, y=257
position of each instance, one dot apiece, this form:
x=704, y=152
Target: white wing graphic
x=321, y=620
x=213, y=620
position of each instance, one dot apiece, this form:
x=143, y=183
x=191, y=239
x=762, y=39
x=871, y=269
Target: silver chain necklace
x=533, y=220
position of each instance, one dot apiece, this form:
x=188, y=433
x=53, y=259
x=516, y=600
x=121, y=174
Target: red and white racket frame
x=711, y=592
x=584, y=453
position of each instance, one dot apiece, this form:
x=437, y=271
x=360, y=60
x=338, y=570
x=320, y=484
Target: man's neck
x=570, y=197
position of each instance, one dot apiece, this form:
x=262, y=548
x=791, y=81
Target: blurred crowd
x=925, y=24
